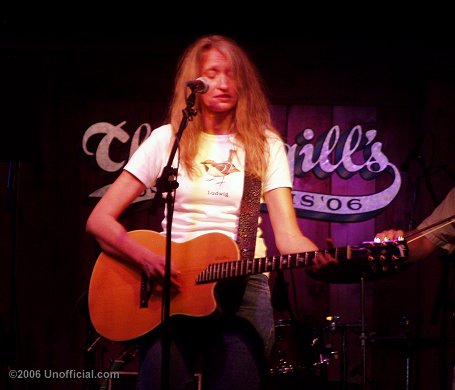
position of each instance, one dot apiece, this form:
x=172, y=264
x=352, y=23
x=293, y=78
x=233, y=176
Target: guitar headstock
x=370, y=260
x=386, y=256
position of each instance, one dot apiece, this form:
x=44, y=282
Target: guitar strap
x=229, y=292
x=249, y=214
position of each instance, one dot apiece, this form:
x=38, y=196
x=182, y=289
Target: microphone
x=200, y=85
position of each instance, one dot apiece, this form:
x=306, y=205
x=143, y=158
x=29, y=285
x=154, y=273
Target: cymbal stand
x=407, y=362
x=363, y=336
x=343, y=329
x=344, y=359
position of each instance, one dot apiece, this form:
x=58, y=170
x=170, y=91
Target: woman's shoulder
x=273, y=137
x=164, y=131
x=160, y=135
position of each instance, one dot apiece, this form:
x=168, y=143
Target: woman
x=233, y=117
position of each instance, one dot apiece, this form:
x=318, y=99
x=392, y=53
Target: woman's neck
x=218, y=124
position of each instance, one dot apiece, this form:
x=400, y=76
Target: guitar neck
x=370, y=257
x=238, y=268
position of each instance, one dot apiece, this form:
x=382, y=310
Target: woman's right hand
x=154, y=266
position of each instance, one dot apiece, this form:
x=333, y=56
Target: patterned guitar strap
x=229, y=292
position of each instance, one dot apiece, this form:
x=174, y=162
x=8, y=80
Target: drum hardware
x=409, y=346
x=342, y=328
x=299, y=354
x=298, y=348
x=372, y=260
x=363, y=338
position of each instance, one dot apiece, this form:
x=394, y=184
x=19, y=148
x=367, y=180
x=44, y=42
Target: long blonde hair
x=252, y=113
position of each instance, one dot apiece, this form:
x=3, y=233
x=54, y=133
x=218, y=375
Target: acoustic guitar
x=124, y=305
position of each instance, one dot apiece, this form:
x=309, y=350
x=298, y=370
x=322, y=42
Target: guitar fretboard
x=238, y=268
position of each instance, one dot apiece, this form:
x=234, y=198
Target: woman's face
x=222, y=94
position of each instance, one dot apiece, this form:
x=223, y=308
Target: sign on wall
x=346, y=153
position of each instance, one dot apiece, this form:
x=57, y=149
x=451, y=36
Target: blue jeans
x=231, y=352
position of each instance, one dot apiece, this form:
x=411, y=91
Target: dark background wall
x=59, y=81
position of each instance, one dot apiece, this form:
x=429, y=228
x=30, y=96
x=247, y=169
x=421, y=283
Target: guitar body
x=115, y=286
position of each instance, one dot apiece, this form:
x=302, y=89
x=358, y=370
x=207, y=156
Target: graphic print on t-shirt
x=220, y=169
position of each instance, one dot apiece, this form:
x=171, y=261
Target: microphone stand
x=167, y=182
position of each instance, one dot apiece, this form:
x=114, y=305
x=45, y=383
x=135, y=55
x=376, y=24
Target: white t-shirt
x=208, y=202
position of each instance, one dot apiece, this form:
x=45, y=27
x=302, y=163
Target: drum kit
x=302, y=353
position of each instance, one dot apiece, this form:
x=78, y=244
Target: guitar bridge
x=146, y=291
